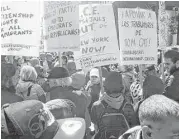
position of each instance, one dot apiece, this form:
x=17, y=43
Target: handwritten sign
x=98, y=39
x=61, y=26
x=163, y=28
x=137, y=36
x=20, y=28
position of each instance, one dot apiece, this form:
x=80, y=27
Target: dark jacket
x=77, y=97
x=133, y=133
x=94, y=92
x=8, y=97
x=172, y=88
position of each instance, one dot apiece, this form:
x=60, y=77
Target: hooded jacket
x=36, y=91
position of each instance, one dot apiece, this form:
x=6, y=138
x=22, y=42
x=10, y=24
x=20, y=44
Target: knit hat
x=152, y=85
x=94, y=72
x=32, y=119
x=58, y=72
x=78, y=80
x=114, y=82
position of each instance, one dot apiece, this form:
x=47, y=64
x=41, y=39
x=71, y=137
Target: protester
x=71, y=66
x=78, y=83
x=151, y=70
x=172, y=83
x=32, y=119
x=111, y=107
x=8, y=71
x=43, y=61
x=60, y=88
x=41, y=75
x=159, y=119
x=34, y=62
x=93, y=86
x=49, y=58
x=27, y=88
x=152, y=85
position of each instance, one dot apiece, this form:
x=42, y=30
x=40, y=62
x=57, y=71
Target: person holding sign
x=93, y=87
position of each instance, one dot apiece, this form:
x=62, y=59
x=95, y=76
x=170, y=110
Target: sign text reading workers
x=138, y=36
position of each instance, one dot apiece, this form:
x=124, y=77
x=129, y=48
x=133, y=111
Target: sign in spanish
x=98, y=39
x=61, y=26
x=137, y=36
x=20, y=28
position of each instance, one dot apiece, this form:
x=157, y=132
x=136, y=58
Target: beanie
x=114, y=81
x=152, y=85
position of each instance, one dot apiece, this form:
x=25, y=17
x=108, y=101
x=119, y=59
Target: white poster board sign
x=61, y=26
x=20, y=28
x=98, y=38
x=137, y=36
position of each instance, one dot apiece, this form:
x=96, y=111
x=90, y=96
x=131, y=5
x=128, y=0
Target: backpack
x=113, y=123
x=28, y=92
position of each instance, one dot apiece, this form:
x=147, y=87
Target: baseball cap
x=94, y=72
x=32, y=119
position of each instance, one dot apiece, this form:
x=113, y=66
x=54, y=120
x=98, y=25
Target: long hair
x=28, y=73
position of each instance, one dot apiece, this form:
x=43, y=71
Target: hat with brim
x=58, y=72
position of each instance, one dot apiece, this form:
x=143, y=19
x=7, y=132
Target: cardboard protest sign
x=20, y=28
x=137, y=36
x=61, y=26
x=98, y=38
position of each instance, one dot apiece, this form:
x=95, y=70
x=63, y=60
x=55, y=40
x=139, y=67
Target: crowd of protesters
x=127, y=106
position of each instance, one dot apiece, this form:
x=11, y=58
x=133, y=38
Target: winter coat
x=77, y=97
x=29, y=91
x=172, y=89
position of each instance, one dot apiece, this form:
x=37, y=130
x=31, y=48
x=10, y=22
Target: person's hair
x=34, y=62
x=61, y=105
x=28, y=73
x=156, y=107
x=60, y=82
x=173, y=55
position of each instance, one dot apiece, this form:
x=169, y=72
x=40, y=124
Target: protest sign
x=20, y=28
x=61, y=26
x=98, y=38
x=163, y=28
x=137, y=36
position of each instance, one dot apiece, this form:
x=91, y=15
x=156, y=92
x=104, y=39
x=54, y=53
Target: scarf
x=113, y=102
